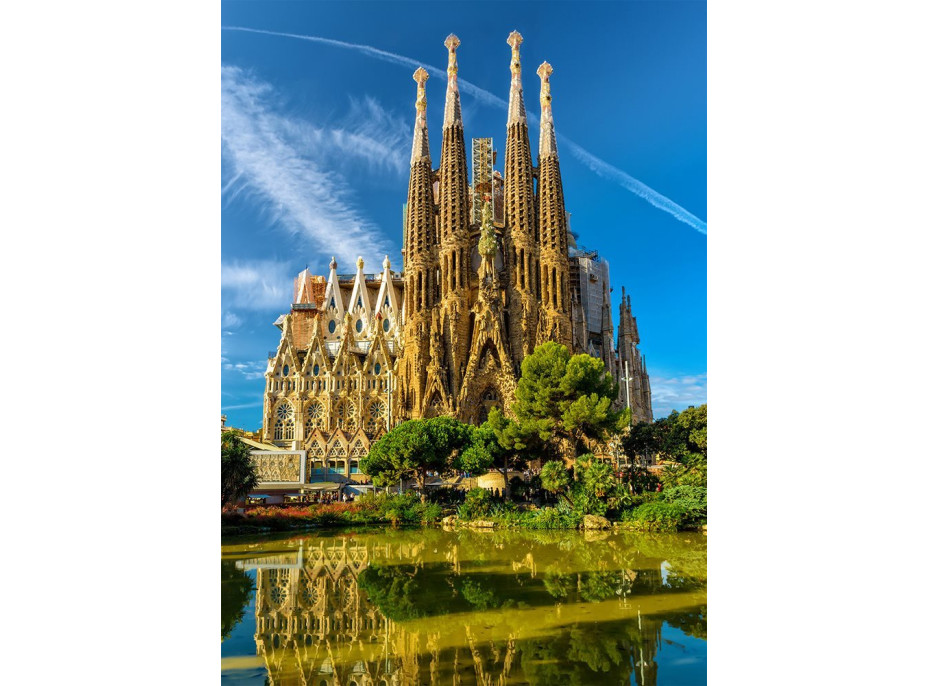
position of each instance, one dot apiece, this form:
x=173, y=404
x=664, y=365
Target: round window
x=331, y=326
x=386, y=324
x=377, y=368
x=359, y=326
x=315, y=370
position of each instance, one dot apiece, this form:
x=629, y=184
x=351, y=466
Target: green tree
x=238, y=471
x=556, y=479
x=415, y=448
x=566, y=402
x=679, y=440
x=237, y=589
x=500, y=444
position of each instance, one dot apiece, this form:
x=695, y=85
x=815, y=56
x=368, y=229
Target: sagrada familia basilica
x=491, y=269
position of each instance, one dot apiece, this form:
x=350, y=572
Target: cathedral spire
x=420, y=135
x=453, y=197
x=419, y=263
x=552, y=225
x=547, y=144
x=454, y=229
x=452, y=96
x=516, y=103
x=420, y=213
x=520, y=239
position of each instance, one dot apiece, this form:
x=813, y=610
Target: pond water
x=426, y=606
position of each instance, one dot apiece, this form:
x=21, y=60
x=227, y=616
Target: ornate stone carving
x=278, y=468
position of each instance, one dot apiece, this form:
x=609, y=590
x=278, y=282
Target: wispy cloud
x=287, y=163
x=244, y=406
x=676, y=392
x=256, y=285
x=250, y=370
x=591, y=161
x=230, y=320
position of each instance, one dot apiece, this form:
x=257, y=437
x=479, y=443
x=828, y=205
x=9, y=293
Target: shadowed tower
x=420, y=262
x=520, y=241
x=555, y=324
x=454, y=232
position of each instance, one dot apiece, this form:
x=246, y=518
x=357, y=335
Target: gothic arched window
x=283, y=427
x=340, y=415
x=315, y=417
x=377, y=413
x=351, y=421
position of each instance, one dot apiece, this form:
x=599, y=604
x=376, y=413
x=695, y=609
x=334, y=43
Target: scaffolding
x=483, y=157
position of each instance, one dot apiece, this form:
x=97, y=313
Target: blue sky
x=316, y=139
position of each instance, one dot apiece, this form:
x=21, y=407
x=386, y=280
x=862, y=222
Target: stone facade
x=487, y=276
x=330, y=384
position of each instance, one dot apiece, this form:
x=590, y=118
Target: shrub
x=559, y=517
x=691, y=498
x=477, y=504
x=656, y=516
x=429, y=513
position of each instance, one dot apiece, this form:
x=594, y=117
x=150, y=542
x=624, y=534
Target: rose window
x=308, y=594
x=278, y=595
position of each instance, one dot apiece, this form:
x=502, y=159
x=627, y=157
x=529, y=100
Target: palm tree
x=238, y=472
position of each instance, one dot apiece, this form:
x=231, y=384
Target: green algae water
x=426, y=606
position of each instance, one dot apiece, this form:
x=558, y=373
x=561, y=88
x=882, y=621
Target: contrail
x=591, y=161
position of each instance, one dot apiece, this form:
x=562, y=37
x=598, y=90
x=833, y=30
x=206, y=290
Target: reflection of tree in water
x=475, y=608
x=237, y=588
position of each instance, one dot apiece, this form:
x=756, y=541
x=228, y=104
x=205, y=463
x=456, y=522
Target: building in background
x=635, y=386
x=591, y=296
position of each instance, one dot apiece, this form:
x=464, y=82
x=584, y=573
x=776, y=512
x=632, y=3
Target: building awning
x=322, y=486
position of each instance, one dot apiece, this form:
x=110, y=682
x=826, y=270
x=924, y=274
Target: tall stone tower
x=454, y=233
x=635, y=390
x=420, y=262
x=555, y=322
x=520, y=241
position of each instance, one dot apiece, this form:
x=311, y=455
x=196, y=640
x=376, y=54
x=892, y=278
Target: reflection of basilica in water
x=449, y=609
